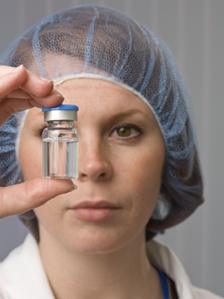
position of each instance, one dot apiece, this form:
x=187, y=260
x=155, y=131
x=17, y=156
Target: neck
x=125, y=273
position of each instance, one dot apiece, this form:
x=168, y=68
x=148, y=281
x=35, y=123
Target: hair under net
x=92, y=40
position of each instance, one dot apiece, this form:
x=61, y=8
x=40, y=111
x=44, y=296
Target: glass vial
x=60, y=142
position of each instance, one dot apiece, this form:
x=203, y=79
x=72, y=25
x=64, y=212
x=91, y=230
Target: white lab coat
x=22, y=275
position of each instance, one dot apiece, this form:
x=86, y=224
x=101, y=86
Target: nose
x=93, y=162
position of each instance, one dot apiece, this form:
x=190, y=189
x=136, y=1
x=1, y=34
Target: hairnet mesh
x=97, y=40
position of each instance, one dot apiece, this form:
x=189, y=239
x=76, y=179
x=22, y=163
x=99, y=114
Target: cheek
x=141, y=175
x=143, y=169
x=49, y=211
x=50, y=217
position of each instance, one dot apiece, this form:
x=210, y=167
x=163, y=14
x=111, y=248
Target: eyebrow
x=129, y=112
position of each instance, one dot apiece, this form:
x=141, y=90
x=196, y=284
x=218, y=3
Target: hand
x=20, y=90
x=20, y=198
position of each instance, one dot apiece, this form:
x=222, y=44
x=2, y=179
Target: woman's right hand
x=20, y=90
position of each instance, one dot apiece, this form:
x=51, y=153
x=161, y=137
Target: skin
x=19, y=90
x=121, y=167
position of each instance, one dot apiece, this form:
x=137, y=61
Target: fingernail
x=45, y=79
x=57, y=95
x=72, y=188
x=56, y=92
x=18, y=68
x=73, y=185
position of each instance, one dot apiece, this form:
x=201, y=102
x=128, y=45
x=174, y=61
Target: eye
x=127, y=131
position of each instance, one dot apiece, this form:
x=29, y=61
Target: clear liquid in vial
x=60, y=158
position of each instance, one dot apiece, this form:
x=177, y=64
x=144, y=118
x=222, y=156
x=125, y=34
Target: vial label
x=60, y=158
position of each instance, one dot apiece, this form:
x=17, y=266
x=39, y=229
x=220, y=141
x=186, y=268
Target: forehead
x=98, y=96
x=93, y=92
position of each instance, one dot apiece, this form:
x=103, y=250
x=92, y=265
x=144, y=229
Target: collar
x=23, y=277
x=166, y=260
x=22, y=274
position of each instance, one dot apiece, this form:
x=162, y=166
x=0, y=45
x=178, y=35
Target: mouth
x=94, y=211
x=95, y=205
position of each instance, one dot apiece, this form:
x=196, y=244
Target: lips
x=90, y=211
x=95, y=205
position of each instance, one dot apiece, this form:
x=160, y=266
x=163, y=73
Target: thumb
x=22, y=197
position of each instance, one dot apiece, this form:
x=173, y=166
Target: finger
x=5, y=69
x=54, y=99
x=20, y=198
x=15, y=78
x=37, y=86
x=20, y=83
x=10, y=106
x=11, y=81
x=14, y=104
x=18, y=94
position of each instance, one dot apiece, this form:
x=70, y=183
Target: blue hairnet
x=92, y=40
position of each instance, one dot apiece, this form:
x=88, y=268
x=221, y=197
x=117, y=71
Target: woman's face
x=120, y=161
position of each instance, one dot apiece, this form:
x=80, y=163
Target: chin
x=104, y=241
x=91, y=242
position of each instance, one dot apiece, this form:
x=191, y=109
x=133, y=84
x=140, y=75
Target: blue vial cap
x=61, y=107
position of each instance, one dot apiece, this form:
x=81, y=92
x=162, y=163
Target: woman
x=138, y=165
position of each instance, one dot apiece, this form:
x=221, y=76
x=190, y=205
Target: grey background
x=194, y=31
